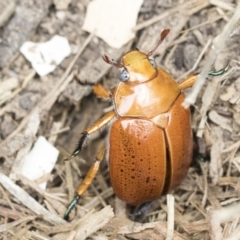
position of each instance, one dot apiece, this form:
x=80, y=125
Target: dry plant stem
x=94, y=202
x=56, y=126
x=222, y=13
x=120, y=208
x=69, y=180
x=10, y=9
x=232, y=147
x=43, y=193
x=56, y=132
x=206, y=102
x=182, y=7
x=34, y=235
x=202, y=24
x=219, y=216
x=101, y=199
x=205, y=183
x=71, y=235
x=222, y=4
x=94, y=223
x=28, y=201
x=51, y=97
x=217, y=46
x=5, y=227
x=134, y=227
x=170, y=222
x=9, y=201
x=197, y=61
x=235, y=235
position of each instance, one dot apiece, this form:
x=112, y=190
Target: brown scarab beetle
x=150, y=139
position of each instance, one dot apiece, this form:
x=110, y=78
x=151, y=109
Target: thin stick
x=170, y=222
x=197, y=61
x=28, y=201
x=167, y=13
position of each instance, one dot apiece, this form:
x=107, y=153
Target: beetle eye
x=152, y=61
x=124, y=75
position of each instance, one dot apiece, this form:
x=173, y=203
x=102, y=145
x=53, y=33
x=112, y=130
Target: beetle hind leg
x=87, y=180
x=141, y=212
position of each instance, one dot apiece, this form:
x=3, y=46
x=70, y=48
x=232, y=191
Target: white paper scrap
x=113, y=21
x=45, y=57
x=40, y=160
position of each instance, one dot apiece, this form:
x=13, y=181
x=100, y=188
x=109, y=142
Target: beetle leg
x=142, y=209
x=101, y=92
x=98, y=89
x=96, y=126
x=190, y=80
x=87, y=180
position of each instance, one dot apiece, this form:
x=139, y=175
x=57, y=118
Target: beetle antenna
x=113, y=62
x=164, y=33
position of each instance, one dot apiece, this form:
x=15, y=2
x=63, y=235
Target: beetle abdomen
x=137, y=160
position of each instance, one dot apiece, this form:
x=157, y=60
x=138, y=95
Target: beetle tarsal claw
x=219, y=72
x=70, y=207
x=79, y=146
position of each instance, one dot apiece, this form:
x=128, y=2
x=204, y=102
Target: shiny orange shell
x=146, y=161
x=151, y=141
x=147, y=99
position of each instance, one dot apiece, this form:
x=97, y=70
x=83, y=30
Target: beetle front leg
x=98, y=89
x=87, y=180
x=96, y=126
x=101, y=92
x=190, y=80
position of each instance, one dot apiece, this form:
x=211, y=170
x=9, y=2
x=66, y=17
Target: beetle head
x=137, y=66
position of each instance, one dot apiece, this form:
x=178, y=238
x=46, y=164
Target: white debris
x=113, y=21
x=45, y=57
x=39, y=161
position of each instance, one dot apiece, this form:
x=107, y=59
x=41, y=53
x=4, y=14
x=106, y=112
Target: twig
x=197, y=61
x=219, y=216
x=178, y=8
x=170, y=222
x=28, y=201
x=7, y=13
